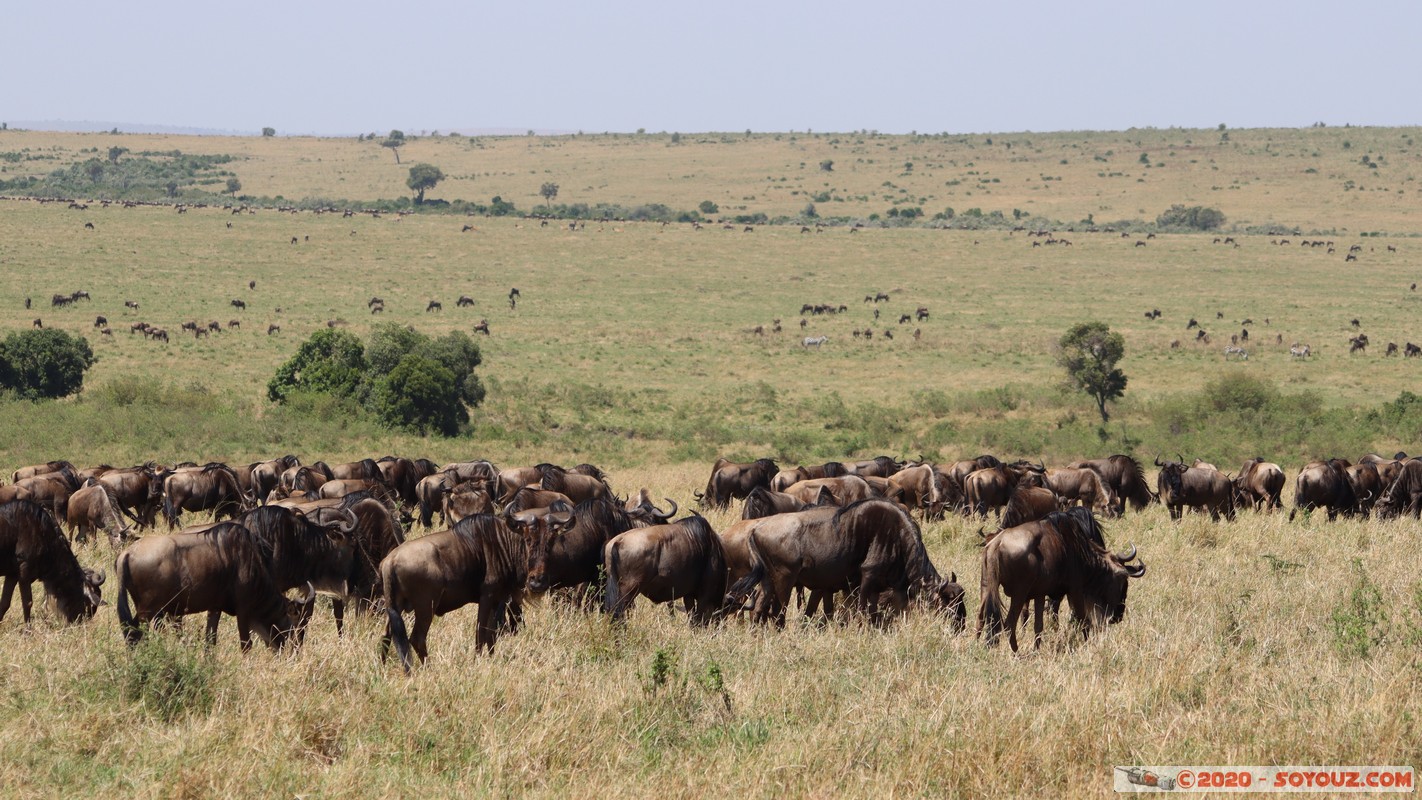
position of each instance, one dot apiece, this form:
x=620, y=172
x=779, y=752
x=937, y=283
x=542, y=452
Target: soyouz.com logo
x=1398, y=779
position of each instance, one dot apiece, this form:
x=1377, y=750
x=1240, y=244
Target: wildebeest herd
x=839, y=532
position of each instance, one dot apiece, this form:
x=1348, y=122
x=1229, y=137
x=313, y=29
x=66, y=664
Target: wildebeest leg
x=513, y=618
x=1037, y=604
x=421, y=630
x=7, y=593
x=489, y=612
x=1014, y=612
x=213, y=617
x=338, y=610
x=244, y=633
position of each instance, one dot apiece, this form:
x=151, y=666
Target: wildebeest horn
x=1125, y=557
x=350, y=524
x=668, y=515
x=1157, y=460
x=1135, y=570
x=310, y=594
x=99, y=578
x=1181, y=457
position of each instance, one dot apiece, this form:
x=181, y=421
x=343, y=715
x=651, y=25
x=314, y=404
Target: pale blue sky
x=341, y=68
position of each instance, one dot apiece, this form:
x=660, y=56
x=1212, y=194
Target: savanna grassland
x=1248, y=642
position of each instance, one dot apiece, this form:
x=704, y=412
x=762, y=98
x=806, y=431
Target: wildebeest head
x=541, y=532
x=954, y=601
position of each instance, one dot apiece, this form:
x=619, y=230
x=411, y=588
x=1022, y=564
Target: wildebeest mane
x=504, y=553
x=48, y=552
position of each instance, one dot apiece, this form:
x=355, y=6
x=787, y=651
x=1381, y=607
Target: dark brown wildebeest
x=1028, y=504
x=1081, y=486
x=871, y=549
x=430, y=491
x=466, y=500
x=33, y=548
x=213, y=487
x=1260, y=484
x=464, y=300
x=220, y=570
x=1367, y=486
x=572, y=558
x=576, y=485
x=242, y=304
x=133, y=488
x=266, y=475
x=682, y=560
x=434, y=306
x=273, y=328
x=1404, y=494
x=1040, y=562
x=991, y=488
x=93, y=508
x=879, y=466
x=1180, y=486
x=1324, y=484
x=482, y=326
x=734, y=481
x=40, y=469
x=960, y=470
x=762, y=502
x=303, y=478
x=404, y=475
x=1124, y=477
x=365, y=469
x=341, y=487
x=786, y=477
x=479, y=560
x=100, y=321
x=508, y=481
x=845, y=489
x=51, y=490
x=531, y=497
x=375, y=533
x=642, y=510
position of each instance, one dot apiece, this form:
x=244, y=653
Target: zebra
x=814, y=341
x=1232, y=350
x=1300, y=350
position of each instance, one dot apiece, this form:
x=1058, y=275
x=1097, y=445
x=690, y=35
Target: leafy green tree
x=38, y=364
x=422, y=177
x=388, y=343
x=268, y=132
x=332, y=361
x=1199, y=218
x=1089, y=352
x=115, y=152
x=233, y=186
x=708, y=207
x=421, y=396
x=549, y=191
x=394, y=141
x=95, y=169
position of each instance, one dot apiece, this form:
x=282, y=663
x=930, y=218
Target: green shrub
x=420, y=396
x=330, y=362
x=46, y=363
x=1197, y=218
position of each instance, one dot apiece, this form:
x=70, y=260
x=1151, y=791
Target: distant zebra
x=1231, y=350
x=814, y=341
x=1300, y=350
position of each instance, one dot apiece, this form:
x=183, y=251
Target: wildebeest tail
x=612, y=596
x=1133, y=484
x=712, y=587
x=990, y=611
x=131, y=631
x=741, y=589
x=394, y=623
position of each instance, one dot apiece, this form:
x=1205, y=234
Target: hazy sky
x=315, y=66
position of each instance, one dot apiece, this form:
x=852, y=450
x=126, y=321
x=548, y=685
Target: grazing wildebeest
x=1260, y=484
x=479, y=560
x=1367, y=486
x=464, y=300
x=1125, y=479
x=33, y=548
x=95, y=507
x=1324, y=484
x=51, y=490
x=132, y=487
x=434, y=306
x=792, y=475
x=1083, y=486
x=404, y=475
x=266, y=475
x=682, y=560
x=763, y=502
x=844, y=490
x=577, y=486
x=1203, y=489
x=871, y=549
x=991, y=488
x=1063, y=555
x=1404, y=494
x=466, y=500
x=273, y=328
x=1028, y=504
x=100, y=321
x=879, y=466
x=219, y=570
x=242, y=304
x=735, y=481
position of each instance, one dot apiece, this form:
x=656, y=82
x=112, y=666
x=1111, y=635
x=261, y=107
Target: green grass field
x=1250, y=642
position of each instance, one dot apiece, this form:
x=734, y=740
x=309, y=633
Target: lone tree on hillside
x=394, y=141
x=549, y=191
x=233, y=186
x=422, y=177
x=1089, y=352
x=268, y=132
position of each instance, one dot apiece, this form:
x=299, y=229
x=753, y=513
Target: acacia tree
x=1089, y=352
x=233, y=186
x=422, y=177
x=549, y=191
x=394, y=141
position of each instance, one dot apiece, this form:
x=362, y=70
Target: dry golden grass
x=1230, y=652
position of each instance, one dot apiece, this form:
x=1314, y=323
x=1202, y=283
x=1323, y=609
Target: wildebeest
x=213, y=487
x=133, y=489
x=464, y=300
x=879, y=466
x=479, y=560
x=577, y=486
x=1259, y=484
x=1028, y=504
x=51, y=490
x=95, y=507
x=1404, y=494
x=242, y=304
x=466, y=500
x=1367, y=486
x=991, y=488
x=1063, y=555
x=681, y=560
x=266, y=475
x=792, y=475
x=763, y=502
x=1324, y=484
x=869, y=549
x=1125, y=479
x=570, y=555
x=735, y=481
x=216, y=571
x=1083, y=486
x=845, y=489
x=39, y=469
x=1180, y=486
x=404, y=475
x=434, y=306
x=33, y=548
